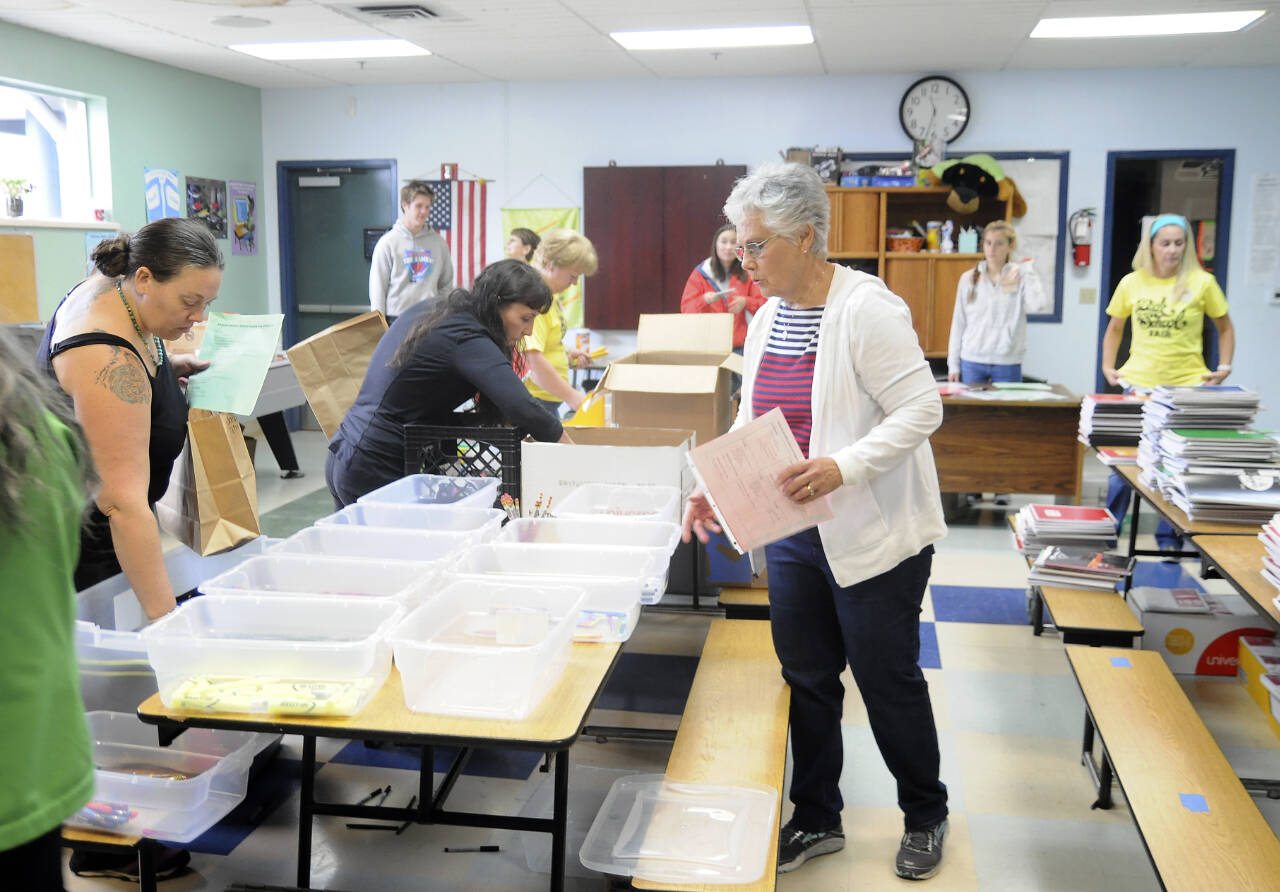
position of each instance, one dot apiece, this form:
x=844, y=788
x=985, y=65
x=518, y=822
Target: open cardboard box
x=622, y=455
x=679, y=376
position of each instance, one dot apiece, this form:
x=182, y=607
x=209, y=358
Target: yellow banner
x=542, y=221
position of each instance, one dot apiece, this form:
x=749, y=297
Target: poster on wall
x=542, y=221
x=242, y=204
x=207, y=202
x=164, y=199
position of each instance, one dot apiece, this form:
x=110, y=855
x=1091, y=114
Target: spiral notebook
x=737, y=472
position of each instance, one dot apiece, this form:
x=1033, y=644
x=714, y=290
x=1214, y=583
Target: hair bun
x=111, y=256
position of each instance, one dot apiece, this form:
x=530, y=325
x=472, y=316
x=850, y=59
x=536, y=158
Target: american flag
x=458, y=214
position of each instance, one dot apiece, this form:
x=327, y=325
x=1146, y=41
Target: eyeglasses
x=753, y=249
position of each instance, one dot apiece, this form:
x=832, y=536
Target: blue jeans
x=1118, y=498
x=982, y=372
x=874, y=626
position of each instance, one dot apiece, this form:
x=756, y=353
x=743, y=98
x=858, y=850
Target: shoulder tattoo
x=122, y=376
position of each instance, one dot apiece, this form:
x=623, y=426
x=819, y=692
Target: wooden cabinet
x=860, y=217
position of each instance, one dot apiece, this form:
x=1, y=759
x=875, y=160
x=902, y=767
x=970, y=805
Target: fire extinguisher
x=1081, y=225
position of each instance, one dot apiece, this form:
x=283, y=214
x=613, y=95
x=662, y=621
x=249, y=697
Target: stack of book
x=1150, y=599
x=1111, y=419
x=1037, y=526
x=1270, y=536
x=1117, y=456
x=1069, y=566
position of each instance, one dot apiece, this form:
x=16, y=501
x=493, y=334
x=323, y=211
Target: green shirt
x=46, y=770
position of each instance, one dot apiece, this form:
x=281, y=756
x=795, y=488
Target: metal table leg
x=306, y=801
x=560, y=821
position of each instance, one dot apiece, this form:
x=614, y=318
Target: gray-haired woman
x=835, y=351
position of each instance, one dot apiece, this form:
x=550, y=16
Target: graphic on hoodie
x=418, y=262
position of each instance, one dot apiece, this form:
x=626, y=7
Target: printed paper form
x=239, y=349
x=737, y=471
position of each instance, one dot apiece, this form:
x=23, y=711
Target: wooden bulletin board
x=18, y=281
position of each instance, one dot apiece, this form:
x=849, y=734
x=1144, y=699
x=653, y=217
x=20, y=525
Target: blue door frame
x=288, y=293
x=1223, y=232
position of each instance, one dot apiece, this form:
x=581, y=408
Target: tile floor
x=1009, y=719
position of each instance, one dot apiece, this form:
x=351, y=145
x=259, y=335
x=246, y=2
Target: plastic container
x=486, y=649
x=435, y=489
x=613, y=501
x=609, y=611
x=114, y=672
x=646, y=565
x=374, y=543
x=482, y=523
x=677, y=833
x=270, y=654
x=173, y=793
x=578, y=530
x=294, y=575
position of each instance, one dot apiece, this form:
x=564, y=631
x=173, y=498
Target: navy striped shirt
x=785, y=377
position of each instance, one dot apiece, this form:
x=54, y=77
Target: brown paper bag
x=330, y=365
x=212, y=500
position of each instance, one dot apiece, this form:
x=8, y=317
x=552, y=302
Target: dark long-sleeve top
x=450, y=365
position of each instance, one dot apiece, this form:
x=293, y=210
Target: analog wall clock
x=934, y=109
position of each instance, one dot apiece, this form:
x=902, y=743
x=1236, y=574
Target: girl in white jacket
x=989, y=325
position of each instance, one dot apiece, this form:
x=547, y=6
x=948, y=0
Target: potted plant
x=16, y=187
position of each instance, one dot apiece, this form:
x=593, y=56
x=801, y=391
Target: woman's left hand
x=738, y=304
x=186, y=365
x=1217, y=376
x=810, y=479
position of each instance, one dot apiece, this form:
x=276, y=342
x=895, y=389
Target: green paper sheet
x=239, y=350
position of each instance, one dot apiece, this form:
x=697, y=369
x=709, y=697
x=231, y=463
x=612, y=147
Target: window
x=44, y=139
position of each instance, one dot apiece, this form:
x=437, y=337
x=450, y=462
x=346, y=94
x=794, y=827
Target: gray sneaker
x=920, y=854
x=796, y=846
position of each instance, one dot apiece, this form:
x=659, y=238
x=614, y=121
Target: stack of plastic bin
x=607, y=501
x=173, y=793
x=616, y=580
x=270, y=654
x=480, y=524
x=375, y=543
x=304, y=575
x=486, y=648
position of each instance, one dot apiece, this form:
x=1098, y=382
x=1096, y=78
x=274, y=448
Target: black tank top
x=168, y=433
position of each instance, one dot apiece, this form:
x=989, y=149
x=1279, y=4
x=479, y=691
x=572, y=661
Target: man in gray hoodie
x=411, y=261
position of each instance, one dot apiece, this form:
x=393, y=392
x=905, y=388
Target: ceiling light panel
x=301, y=50
x=1146, y=25
x=715, y=38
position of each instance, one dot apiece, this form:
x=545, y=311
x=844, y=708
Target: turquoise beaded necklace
x=159, y=354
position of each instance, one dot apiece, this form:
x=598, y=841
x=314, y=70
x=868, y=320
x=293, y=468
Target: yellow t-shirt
x=1166, y=346
x=548, y=334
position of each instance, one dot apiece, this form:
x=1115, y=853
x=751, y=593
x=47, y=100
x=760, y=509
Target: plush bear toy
x=973, y=178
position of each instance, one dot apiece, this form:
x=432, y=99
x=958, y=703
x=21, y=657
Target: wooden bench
x=740, y=602
x=734, y=728
x=80, y=840
x=1164, y=758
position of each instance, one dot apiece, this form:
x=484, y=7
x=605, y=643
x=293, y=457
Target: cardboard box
x=1201, y=643
x=605, y=455
x=1258, y=656
x=679, y=377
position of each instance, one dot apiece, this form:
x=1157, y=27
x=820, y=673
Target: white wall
x=514, y=132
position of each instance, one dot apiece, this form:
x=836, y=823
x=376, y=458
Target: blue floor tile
x=976, y=604
x=649, y=683
x=509, y=764
x=930, y=658
x=1159, y=574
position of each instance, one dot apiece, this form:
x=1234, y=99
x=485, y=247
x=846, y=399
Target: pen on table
x=473, y=848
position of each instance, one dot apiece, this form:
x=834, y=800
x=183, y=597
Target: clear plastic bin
x=114, y=672
x=435, y=489
x=609, y=612
x=615, y=501
x=678, y=833
x=453, y=658
x=269, y=654
x=647, y=565
x=482, y=523
x=406, y=582
x=173, y=793
x=374, y=543
x=579, y=530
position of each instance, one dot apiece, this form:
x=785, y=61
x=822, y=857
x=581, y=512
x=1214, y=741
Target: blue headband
x=1168, y=220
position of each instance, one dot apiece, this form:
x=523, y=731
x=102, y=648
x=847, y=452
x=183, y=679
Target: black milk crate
x=465, y=451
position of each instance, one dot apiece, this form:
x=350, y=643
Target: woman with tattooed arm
x=103, y=348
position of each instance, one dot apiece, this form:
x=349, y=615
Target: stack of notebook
x=1270, y=536
x=1070, y=566
x=1036, y=526
x=1111, y=419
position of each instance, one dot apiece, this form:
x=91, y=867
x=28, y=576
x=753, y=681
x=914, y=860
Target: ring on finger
x=809, y=486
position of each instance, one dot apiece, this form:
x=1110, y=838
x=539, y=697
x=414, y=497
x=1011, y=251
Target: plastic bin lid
x=669, y=831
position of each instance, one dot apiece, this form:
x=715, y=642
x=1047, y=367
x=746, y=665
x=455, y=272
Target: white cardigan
x=875, y=403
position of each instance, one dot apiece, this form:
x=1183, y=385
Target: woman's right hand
x=699, y=519
x=953, y=376
x=1112, y=376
